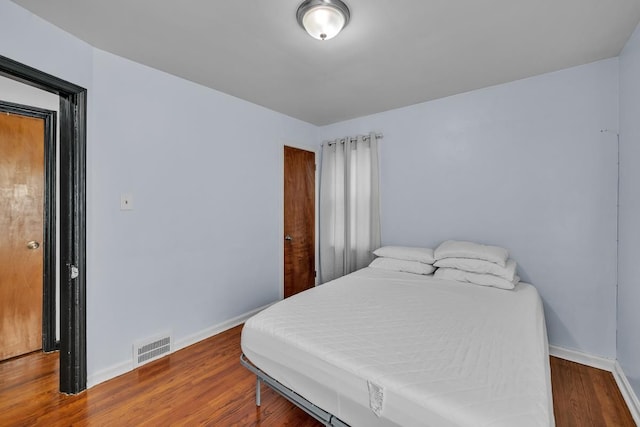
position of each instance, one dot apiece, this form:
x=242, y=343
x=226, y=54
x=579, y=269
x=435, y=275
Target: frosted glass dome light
x=323, y=23
x=323, y=19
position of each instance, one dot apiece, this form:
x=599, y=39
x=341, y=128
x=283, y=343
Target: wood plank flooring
x=205, y=384
x=584, y=396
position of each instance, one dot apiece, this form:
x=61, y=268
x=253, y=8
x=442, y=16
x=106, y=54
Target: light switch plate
x=126, y=202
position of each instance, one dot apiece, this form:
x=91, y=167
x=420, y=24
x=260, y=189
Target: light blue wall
x=202, y=244
x=28, y=39
x=521, y=165
x=629, y=249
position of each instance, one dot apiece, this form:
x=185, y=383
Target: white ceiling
x=393, y=53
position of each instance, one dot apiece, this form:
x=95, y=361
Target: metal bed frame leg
x=258, y=391
x=319, y=414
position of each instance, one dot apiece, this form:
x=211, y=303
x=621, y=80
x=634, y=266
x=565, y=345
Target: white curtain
x=349, y=205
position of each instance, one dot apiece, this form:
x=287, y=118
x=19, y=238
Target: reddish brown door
x=299, y=220
x=21, y=233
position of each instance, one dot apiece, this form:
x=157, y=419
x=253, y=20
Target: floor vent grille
x=152, y=349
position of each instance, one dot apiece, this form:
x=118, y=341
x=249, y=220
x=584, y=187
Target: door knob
x=33, y=245
x=288, y=237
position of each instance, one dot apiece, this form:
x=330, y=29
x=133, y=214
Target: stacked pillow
x=475, y=263
x=404, y=258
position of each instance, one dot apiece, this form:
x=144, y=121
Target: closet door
x=299, y=220
x=21, y=234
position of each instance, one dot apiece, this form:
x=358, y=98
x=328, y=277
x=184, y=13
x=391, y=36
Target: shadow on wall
x=559, y=328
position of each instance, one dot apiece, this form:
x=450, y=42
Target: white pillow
x=456, y=249
x=391, y=264
x=424, y=255
x=480, y=266
x=475, y=278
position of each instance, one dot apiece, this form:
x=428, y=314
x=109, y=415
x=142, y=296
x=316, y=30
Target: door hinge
x=73, y=272
x=315, y=273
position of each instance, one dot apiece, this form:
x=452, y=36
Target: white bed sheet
x=443, y=353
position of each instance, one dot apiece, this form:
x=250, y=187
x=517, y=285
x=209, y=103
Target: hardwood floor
x=205, y=385
x=584, y=396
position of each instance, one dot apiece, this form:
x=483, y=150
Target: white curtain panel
x=349, y=206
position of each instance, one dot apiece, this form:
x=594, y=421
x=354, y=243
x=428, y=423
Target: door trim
x=49, y=221
x=73, y=140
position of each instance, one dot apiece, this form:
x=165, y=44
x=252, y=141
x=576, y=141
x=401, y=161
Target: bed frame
x=319, y=414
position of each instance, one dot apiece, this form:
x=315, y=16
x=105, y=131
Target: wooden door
x=299, y=220
x=21, y=234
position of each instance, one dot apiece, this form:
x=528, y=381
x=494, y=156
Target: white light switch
x=126, y=202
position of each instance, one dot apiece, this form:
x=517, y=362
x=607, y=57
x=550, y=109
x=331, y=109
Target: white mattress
x=439, y=353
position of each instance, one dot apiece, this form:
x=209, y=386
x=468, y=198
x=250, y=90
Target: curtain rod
x=352, y=139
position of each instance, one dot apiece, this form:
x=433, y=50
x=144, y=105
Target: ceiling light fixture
x=323, y=19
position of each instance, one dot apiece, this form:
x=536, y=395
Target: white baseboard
x=216, y=329
x=598, y=362
x=627, y=392
x=126, y=366
x=109, y=373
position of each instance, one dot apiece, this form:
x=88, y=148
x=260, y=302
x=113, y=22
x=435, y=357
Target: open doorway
x=72, y=215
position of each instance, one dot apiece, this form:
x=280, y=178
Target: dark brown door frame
x=49, y=342
x=73, y=136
